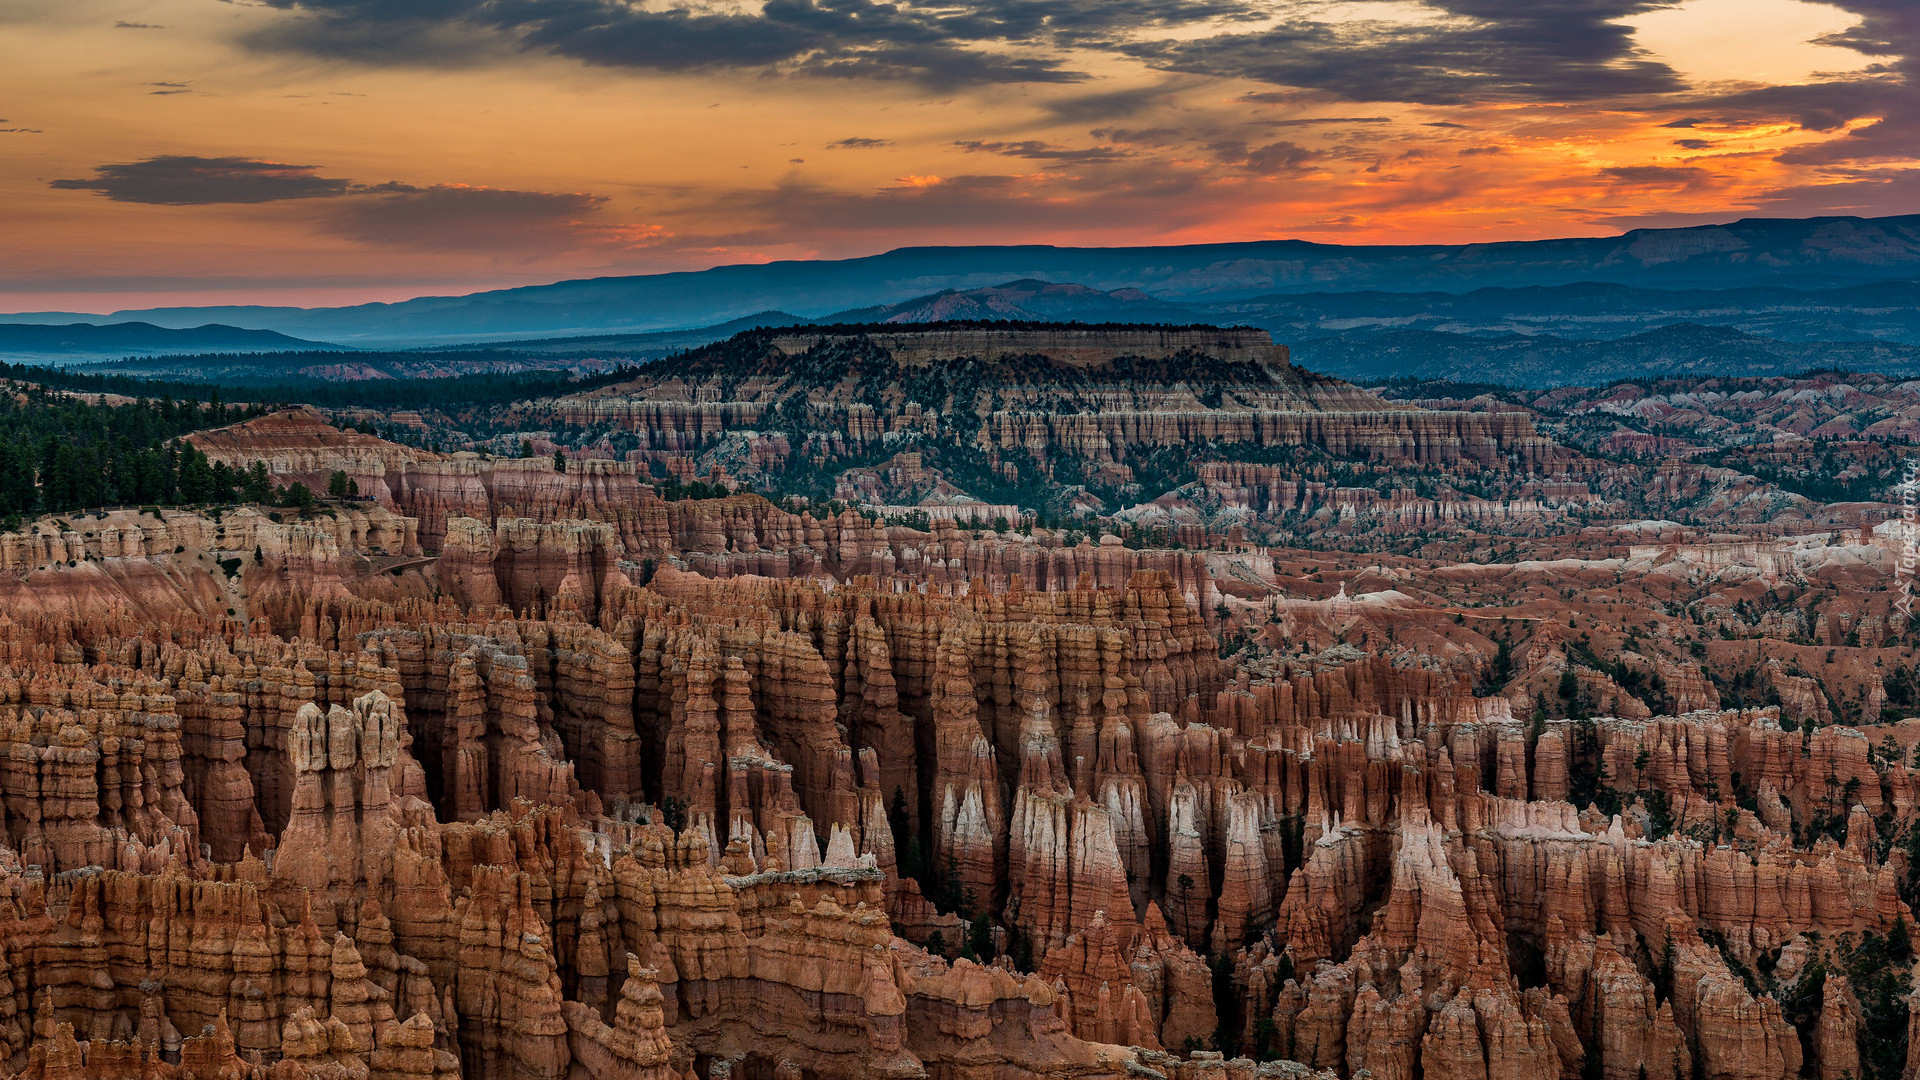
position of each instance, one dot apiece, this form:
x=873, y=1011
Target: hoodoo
x=504, y=770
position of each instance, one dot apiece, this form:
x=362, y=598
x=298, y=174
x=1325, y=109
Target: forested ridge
x=60, y=452
x=458, y=390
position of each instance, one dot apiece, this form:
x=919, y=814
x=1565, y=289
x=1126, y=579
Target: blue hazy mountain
x=1810, y=254
x=86, y=341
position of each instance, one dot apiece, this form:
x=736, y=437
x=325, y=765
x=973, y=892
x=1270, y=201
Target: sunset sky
x=336, y=151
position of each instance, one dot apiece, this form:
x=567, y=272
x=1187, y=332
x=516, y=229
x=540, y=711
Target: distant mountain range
x=1252, y=282
x=1602, y=333
x=1029, y=300
x=28, y=343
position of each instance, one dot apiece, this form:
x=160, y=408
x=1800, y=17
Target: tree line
x=61, y=453
x=459, y=390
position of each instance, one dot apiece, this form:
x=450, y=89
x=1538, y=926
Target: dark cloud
x=1880, y=35
x=1272, y=159
x=1111, y=104
x=1296, y=99
x=1884, y=91
x=1280, y=157
x=1492, y=50
x=1821, y=107
x=440, y=217
x=1036, y=150
x=1684, y=176
x=170, y=88
x=1156, y=137
x=857, y=143
x=1693, y=144
x=1478, y=151
x=125, y=25
x=455, y=217
x=1308, y=121
x=1471, y=52
x=1882, y=193
x=935, y=44
x=173, y=180
x=959, y=206
x=936, y=65
x=1876, y=194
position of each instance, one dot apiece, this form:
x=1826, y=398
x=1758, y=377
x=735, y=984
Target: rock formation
x=516, y=773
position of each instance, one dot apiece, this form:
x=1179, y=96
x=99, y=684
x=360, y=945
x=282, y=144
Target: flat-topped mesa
x=768, y=399
x=905, y=375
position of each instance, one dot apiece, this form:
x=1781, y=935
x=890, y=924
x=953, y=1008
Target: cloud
x=1881, y=193
x=170, y=88
x=436, y=217
x=935, y=65
x=956, y=207
x=1111, y=104
x=1310, y=121
x=1892, y=191
x=857, y=143
x=1482, y=50
x=1664, y=176
x=125, y=25
x=177, y=180
x=1269, y=160
x=1480, y=151
x=1693, y=144
x=1280, y=157
x=1154, y=137
x=1037, y=150
x=938, y=45
x=1883, y=92
x=460, y=217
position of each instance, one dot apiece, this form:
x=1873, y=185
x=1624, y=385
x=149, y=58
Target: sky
x=318, y=152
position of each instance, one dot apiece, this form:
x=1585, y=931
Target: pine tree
x=258, y=484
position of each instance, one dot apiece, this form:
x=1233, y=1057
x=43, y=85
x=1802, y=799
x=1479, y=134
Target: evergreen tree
x=297, y=496
x=980, y=938
x=257, y=486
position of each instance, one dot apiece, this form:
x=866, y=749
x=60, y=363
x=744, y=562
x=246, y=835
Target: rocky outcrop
x=610, y=785
x=344, y=819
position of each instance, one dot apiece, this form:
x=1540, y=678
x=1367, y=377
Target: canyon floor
x=981, y=703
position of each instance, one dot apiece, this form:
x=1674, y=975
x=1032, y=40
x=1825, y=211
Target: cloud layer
x=436, y=217
x=608, y=136
x=946, y=45
x=177, y=180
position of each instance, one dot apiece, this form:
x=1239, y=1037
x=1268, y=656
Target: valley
x=950, y=700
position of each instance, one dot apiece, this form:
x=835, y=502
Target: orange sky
x=336, y=151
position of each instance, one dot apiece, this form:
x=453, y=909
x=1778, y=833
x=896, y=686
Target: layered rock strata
x=554, y=823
